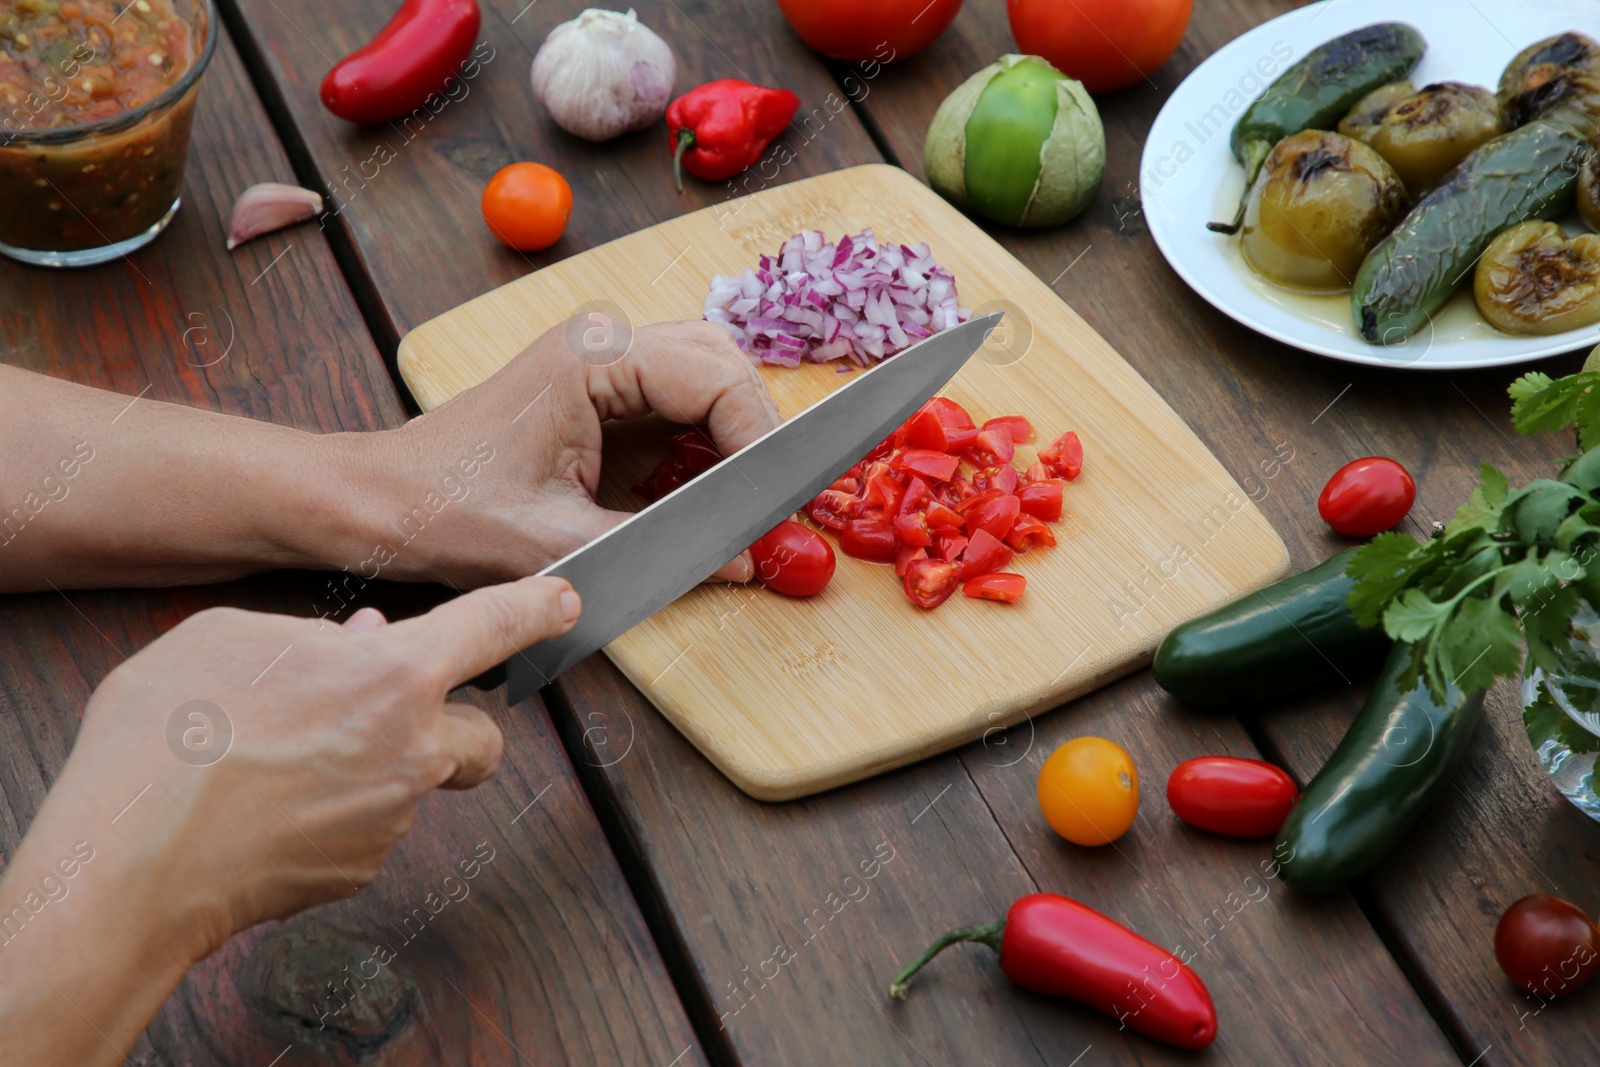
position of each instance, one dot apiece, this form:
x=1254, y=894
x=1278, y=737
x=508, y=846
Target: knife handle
x=493, y=678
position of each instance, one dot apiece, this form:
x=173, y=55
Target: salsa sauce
x=68, y=63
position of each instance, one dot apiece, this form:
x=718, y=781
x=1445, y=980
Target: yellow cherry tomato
x=1089, y=791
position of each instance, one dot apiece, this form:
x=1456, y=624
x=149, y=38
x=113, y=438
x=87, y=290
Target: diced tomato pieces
x=949, y=546
x=906, y=556
x=950, y=413
x=833, y=508
x=663, y=480
x=985, y=554
x=924, y=430
x=695, y=451
x=1064, y=456
x=955, y=491
x=882, y=449
x=1042, y=500
x=929, y=582
x=913, y=530
x=978, y=499
x=1029, y=531
x=941, y=517
x=935, y=466
x=997, y=516
x=882, y=498
x=917, y=496
x=1006, y=479
x=1038, y=473
x=1019, y=428
x=1006, y=588
x=850, y=483
x=990, y=449
x=869, y=539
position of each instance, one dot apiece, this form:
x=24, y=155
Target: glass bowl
x=73, y=196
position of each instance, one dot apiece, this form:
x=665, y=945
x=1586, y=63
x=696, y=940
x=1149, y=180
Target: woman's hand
x=512, y=464
x=243, y=767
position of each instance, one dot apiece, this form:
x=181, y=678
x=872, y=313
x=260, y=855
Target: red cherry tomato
x=1547, y=945
x=1042, y=499
x=938, y=466
x=997, y=516
x=869, y=539
x=929, y=582
x=1019, y=428
x=1062, y=457
x=880, y=30
x=985, y=554
x=420, y=49
x=793, y=560
x=1367, y=496
x=1241, y=797
x=1106, y=44
x=1028, y=531
x=1006, y=588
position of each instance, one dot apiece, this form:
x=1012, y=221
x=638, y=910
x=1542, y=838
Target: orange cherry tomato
x=1106, y=44
x=1089, y=791
x=527, y=206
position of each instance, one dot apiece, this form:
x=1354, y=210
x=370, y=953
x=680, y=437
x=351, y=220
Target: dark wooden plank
x=733, y=878
x=1504, y=832
x=415, y=226
x=547, y=958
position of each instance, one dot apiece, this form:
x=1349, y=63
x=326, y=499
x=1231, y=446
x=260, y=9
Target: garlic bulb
x=603, y=74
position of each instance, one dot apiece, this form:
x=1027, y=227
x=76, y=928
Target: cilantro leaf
x=1542, y=404
x=1482, y=509
x=1481, y=643
x=1545, y=721
x=1381, y=569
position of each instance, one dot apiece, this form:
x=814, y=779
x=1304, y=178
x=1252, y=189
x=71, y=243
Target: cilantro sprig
x=1501, y=585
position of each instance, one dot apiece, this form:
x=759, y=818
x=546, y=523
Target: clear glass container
x=1568, y=755
x=73, y=196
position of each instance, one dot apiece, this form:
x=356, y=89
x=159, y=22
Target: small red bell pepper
x=1052, y=944
x=720, y=128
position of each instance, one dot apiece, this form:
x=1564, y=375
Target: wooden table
x=636, y=902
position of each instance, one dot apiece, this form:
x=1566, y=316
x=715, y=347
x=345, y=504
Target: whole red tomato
x=1547, y=945
x=1227, y=795
x=879, y=30
x=793, y=560
x=1367, y=496
x=1106, y=44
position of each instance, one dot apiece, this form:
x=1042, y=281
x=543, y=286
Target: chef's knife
x=638, y=567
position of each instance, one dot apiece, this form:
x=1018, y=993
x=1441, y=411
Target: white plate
x=1188, y=175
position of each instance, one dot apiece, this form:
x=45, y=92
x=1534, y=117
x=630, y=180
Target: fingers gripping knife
x=639, y=567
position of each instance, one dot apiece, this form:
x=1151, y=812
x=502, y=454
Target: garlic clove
x=267, y=207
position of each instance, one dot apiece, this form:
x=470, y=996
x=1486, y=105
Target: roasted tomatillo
x=1423, y=134
x=1533, y=279
x=1321, y=203
x=1589, y=194
x=1557, y=78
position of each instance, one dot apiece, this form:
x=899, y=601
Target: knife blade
x=660, y=553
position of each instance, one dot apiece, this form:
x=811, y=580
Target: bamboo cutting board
x=790, y=697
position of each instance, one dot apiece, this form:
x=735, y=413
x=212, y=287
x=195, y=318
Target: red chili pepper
x=410, y=59
x=1051, y=944
x=720, y=128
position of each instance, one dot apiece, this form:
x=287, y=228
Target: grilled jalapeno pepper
x=1316, y=92
x=1529, y=173
x=1292, y=635
x=1399, y=754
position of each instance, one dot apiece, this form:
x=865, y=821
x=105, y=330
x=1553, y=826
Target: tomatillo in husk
x=1019, y=143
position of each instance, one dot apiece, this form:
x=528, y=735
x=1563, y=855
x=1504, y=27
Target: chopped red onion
x=817, y=302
